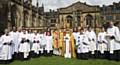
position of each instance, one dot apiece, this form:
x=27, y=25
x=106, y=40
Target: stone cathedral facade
x=20, y=13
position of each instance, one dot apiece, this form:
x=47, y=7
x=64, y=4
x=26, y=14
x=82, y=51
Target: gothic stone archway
x=70, y=20
x=89, y=20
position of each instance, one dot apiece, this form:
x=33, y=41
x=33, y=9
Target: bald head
x=111, y=24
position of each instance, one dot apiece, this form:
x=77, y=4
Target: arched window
x=89, y=20
x=69, y=20
x=78, y=19
x=13, y=15
x=25, y=18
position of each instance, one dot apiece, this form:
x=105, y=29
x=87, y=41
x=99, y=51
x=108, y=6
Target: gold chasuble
x=72, y=46
x=61, y=43
x=56, y=40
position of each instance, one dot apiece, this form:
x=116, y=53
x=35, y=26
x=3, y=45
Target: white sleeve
x=105, y=40
x=78, y=41
x=117, y=34
x=32, y=39
x=86, y=40
x=20, y=38
x=27, y=36
x=52, y=40
x=0, y=42
x=44, y=40
x=1, y=45
x=39, y=38
x=95, y=36
x=98, y=37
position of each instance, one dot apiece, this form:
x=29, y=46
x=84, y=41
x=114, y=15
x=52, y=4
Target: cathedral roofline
x=79, y=3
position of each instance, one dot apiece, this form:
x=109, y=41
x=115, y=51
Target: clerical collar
x=81, y=33
x=89, y=30
x=14, y=31
x=7, y=34
x=75, y=31
x=110, y=26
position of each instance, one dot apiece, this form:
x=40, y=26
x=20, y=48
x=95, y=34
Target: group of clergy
x=23, y=44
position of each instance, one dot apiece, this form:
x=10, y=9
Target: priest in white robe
x=30, y=35
x=113, y=37
x=75, y=34
x=92, y=40
x=15, y=35
x=6, y=48
x=35, y=50
x=42, y=43
x=24, y=46
x=67, y=48
x=48, y=43
x=82, y=46
x=102, y=44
